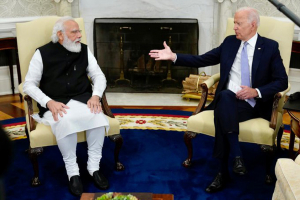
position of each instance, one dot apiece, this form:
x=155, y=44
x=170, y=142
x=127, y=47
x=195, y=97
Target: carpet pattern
x=15, y=128
x=152, y=122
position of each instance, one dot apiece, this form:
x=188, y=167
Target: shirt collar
x=252, y=41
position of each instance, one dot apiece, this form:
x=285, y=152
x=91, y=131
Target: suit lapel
x=226, y=66
x=232, y=55
x=258, y=51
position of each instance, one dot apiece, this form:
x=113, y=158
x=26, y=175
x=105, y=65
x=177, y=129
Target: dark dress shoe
x=75, y=186
x=100, y=181
x=239, y=166
x=218, y=183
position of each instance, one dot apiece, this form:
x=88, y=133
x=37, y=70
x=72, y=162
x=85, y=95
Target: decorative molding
x=65, y=8
x=24, y=8
x=226, y=10
x=221, y=1
x=57, y=1
x=265, y=8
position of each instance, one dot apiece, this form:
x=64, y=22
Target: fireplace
x=121, y=47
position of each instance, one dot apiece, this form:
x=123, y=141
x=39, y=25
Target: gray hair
x=59, y=26
x=252, y=14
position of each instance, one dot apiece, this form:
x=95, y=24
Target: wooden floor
x=11, y=107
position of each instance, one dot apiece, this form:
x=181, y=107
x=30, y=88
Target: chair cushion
x=42, y=136
x=254, y=131
x=287, y=185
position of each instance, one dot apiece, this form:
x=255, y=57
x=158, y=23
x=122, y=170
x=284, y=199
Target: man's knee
x=225, y=97
x=226, y=94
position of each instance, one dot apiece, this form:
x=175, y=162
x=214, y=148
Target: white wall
x=5, y=84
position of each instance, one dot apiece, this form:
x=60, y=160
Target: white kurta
x=79, y=116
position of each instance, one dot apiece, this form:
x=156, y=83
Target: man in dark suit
x=249, y=62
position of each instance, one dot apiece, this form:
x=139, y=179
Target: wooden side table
x=295, y=130
x=6, y=44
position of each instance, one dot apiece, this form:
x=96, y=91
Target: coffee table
x=92, y=196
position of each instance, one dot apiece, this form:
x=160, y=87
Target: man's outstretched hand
x=57, y=108
x=94, y=104
x=164, y=54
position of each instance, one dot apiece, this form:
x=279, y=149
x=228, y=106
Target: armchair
x=258, y=130
x=287, y=184
x=30, y=36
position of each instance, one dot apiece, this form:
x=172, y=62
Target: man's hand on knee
x=94, y=104
x=57, y=108
x=246, y=93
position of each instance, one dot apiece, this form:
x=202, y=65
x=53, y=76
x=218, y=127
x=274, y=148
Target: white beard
x=71, y=45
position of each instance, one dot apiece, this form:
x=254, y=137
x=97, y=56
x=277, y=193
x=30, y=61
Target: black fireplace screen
x=121, y=47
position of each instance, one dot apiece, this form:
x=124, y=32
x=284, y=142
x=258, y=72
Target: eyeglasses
x=74, y=32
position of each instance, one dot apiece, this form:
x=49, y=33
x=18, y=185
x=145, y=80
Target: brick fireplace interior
x=121, y=47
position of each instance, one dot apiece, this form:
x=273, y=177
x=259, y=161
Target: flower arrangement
x=116, y=196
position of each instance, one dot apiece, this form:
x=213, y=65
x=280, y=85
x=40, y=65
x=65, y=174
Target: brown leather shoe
x=218, y=183
x=239, y=166
x=75, y=185
x=100, y=181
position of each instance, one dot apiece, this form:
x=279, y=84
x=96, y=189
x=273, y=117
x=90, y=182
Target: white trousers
x=67, y=147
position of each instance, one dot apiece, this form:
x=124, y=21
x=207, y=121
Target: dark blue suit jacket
x=268, y=72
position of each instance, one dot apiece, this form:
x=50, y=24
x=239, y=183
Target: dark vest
x=64, y=74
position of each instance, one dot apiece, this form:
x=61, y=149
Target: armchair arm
x=277, y=106
x=28, y=99
x=29, y=107
x=105, y=106
x=104, y=103
x=204, y=89
x=20, y=88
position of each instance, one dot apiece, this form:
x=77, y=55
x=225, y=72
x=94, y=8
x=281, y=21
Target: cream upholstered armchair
x=258, y=130
x=288, y=177
x=30, y=36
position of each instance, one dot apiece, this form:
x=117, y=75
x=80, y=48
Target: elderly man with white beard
x=58, y=80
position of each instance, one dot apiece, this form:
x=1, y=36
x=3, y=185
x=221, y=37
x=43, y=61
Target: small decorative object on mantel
x=191, y=87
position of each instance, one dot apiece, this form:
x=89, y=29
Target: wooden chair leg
x=21, y=97
x=118, y=140
x=279, y=136
x=270, y=155
x=33, y=154
x=188, y=136
x=26, y=132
